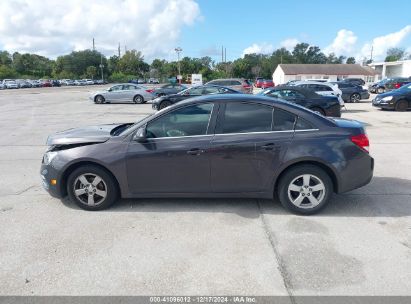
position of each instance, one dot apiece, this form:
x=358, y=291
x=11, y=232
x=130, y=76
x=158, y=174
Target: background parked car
x=125, y=92
x=258, y=82
x=388, y=84
x=153, y=81
x=79, y=82
x=237, y=84
x=10, y=84
x=325, y=105
x=168, y=89
x=399, y=100
x=267, y=83
x=45, y=83
x=352, y=92
x=23, y=84
x=88, y=81
x=167, y=100
x=2, y=87
x=55, y=83
x=322, y=88
x=355, y=81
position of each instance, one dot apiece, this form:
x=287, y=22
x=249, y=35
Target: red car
x=258, y=82
x=267, y=84
x=46, y=83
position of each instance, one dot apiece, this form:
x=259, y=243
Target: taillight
x=150, y=91
x=397, y=85
x=361, y=141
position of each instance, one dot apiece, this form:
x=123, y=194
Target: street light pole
x=178, y=50
x=102, y=67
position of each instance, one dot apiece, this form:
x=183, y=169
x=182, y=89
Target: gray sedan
x=126, y=92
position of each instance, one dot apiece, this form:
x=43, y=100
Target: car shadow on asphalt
x=383, y=197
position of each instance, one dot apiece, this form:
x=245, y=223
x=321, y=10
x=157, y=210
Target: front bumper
x=48, y=173
x=389, y=105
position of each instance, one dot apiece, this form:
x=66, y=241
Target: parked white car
x=322, y=88
x=126, y=92
x=10, y=84
x=88, y=81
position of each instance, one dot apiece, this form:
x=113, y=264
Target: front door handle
x=195, y=151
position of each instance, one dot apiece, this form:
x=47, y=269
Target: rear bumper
x=358, y=174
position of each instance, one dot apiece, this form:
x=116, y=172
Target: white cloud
x=263, y=48
x=289, y=43
x=53, y=28
x=343, y=43
x=381, y=44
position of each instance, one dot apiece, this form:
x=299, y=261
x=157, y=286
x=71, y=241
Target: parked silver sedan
x=126, y=92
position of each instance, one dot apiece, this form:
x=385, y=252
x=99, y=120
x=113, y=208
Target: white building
x=400, y=68
x=332, y=72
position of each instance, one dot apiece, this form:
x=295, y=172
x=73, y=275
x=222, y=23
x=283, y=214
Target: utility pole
x=372, y=49
x=222, y=53
x=94, y=46
x=102, y=67
x=225, y=55
x=178, y=51
x=119, y=50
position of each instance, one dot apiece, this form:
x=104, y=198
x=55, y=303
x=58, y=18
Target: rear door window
x=245, y=118
x=283, y=120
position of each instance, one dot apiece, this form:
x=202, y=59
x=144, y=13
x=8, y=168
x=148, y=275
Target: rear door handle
x=270, y=146
x=195, y=151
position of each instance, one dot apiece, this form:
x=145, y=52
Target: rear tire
x=80, y=188
x=164, y=104
x=99, y=99
x=138, y=99
x=305, y=189
x=401, y=106
x=355, y=97
x=380, y=90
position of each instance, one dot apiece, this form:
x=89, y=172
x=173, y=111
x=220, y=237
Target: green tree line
x=131, y=65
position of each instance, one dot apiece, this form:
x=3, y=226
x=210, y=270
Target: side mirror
x=140, y=135
x=109, y=90
x=186, y=93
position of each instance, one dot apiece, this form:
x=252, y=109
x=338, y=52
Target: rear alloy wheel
x=355, y=97
x=138, y=99
x=92, y=188
x=318, y=110
x=305, y=189
x=380, y=90
x=401, y=106
x=99, y=99
x=164, y=105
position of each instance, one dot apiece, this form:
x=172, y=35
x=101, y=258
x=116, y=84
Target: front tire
x=380, y=90
x=138, y=99
x=401, y=106
x=305, y=189
x=99, y=99
x=92, y=188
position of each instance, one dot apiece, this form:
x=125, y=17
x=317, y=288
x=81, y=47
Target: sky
x=201, y=27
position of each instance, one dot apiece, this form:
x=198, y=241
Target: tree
x=350, y=60
x=132, y=62
x=91, y=71
x=76, y=63
x=5, y=58
x=395, y=54
x=305, y=53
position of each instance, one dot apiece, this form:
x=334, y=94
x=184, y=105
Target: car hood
x=391, y=93
x=92, y=134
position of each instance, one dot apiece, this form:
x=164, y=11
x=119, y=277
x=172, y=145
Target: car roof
x=314, y=82
x=304, y=91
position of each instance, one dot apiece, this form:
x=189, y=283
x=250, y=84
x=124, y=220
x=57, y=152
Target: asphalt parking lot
x=359, y=245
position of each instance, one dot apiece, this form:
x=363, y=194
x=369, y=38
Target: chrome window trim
x=225, y=134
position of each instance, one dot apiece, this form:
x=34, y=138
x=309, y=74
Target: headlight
x=48, y=157
x=388, y=98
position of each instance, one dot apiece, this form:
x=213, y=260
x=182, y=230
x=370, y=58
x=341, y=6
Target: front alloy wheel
x=92, y=188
